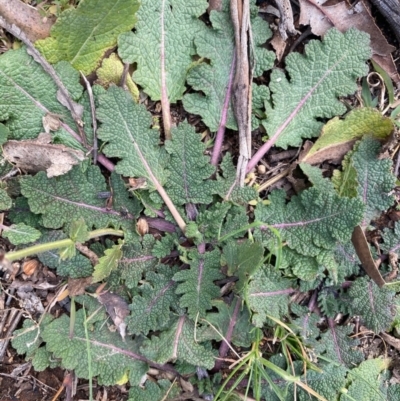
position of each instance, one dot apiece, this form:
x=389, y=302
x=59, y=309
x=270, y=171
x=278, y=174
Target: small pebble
x=261, y=169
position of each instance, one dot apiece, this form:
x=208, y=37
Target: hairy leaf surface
x=375, y=179
x=336, y=345
x=189, y=168
x=126, y=129
x=165, y=33
x=268, y=294
x=27, y=94
x=63, y=199
x=111, y=357
x=20, y=233
x=151, y=310
x=312, y=221
x=372, y=303
x=327, y=70
x=196, y=284
x=212, y=78
x=178, y=343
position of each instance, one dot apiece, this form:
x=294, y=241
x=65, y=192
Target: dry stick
x=219, y=138
x=94, y=121
x=164, y=94
x=66, y=100
x=240, y=15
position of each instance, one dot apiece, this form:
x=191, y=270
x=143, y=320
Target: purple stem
x=219, y=138
x=224, y=347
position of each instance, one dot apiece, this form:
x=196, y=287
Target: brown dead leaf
x=364, y=254
x=279, y=45
x=321, y=18
x=77, y=286
x=27, y=18
x=34, y=155
x=117, y=308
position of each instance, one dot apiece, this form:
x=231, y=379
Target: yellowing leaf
x=82, y=35
x=111, y=71
x=338, y=136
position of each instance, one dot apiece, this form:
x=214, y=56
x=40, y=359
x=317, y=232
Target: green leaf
x=375, y=179
x=226, y=188
x=63, y=199
x=27, y=340
x=178, y=343
x=326, y=71
x=304, y=267
x=312, y=221
x=20, y=233
x=78, y=231
x=165, y=32
x=216, y=44
x=391, y=239
x=372, y=304
x=5, y=200
x=197, y=283
x=327, y=383
x=268, y=294
x=150, y=310
x=126, y=128
x=243, y=260
x=366, y=380
x=82, y=35
x=111, y=357
x=4, y=133
x=306, y=324
x=336, y=345
x=189, y=169
x=338, y=136
x=108, y=262
x=226, y=319
x=154, y=391
x=27, y=94
x=122, y=199
x=137, y=258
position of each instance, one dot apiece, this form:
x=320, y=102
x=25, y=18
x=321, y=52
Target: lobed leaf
x=63, y=199
x=190, y=171
x=111, y=357
x=165, y=33
x=211, y=79
x=178, y=343
x=196, y=284
x=326, y=71
x=150, y=311
x=267, y=294
x=108, y=262
x=311, y=222
x=126, y=129
x=337, y=345
x=372, y=304
x=374, y=177
x=366, y=380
